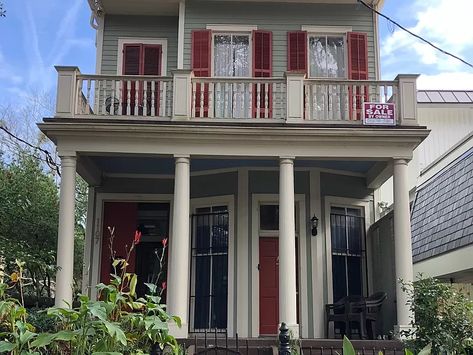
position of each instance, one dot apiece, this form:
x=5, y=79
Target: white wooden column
x=179, y=259
x=402, y=240
x=287, y=246
x=65, y=241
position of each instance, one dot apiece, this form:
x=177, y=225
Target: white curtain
x=327, y=57
x=231, y=59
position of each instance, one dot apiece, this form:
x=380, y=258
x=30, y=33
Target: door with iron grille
x=209, y=269
x=347, y=227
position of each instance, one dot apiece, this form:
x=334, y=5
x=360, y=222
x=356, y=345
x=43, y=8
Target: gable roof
x=442, y=213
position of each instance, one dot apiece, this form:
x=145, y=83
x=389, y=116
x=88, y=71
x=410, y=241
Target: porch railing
x=124, y=95
x=333, y=100
x=292, y=98
x=238, y=98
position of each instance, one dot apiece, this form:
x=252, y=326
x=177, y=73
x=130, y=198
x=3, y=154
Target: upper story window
x=231, y=55
x=327, y=56
x=141, y=59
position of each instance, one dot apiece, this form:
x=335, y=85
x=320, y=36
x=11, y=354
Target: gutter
x=97, y=12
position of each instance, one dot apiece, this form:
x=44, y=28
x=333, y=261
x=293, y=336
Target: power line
x=416, y=35
x=48, y=157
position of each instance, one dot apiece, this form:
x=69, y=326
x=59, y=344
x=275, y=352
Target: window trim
x=345, y=59
x=250, y=52
x=163, y=42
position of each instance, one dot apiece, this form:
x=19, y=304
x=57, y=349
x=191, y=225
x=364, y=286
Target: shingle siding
x=163, y=27
x=278, y=18
x=442, y=215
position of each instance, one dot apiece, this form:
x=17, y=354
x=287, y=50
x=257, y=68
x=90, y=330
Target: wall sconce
x=314, y=222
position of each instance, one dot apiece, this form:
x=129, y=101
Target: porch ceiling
x=129, y=165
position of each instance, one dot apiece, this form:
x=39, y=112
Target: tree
x=29, y=214
x=3, y=12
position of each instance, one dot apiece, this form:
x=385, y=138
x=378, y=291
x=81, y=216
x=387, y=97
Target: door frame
x=334, y=201
x=228, y=200
x=256, y=201
x=97, y=235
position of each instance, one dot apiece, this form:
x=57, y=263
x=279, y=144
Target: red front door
x=268, y=286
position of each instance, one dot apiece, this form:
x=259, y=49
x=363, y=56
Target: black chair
x=349, y=312
x=373, y=306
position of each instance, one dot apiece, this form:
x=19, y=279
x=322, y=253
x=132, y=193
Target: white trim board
x=326, y=29
x=163, y=42
x=231, y=28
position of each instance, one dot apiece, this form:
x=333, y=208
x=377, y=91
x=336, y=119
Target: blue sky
x=36, y=35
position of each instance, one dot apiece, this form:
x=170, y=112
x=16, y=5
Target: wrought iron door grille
x=209, y=271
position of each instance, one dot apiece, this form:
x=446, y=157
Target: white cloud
x=445, y=23
x=446, y=81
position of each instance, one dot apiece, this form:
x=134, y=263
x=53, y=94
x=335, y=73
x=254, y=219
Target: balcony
x=291, y=99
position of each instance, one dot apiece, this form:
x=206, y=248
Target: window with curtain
x=231, y=56
x=327, y=56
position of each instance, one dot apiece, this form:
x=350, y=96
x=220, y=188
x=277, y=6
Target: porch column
x=178, y=270
x=287, y=245
x=65, y=240
x=402, y=240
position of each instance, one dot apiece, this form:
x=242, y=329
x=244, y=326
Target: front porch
x=257, y=213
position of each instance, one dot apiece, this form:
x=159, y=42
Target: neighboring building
x=441, y=188
x=226, y=126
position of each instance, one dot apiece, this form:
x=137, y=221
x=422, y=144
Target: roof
x=444, y=97
x=442, y=214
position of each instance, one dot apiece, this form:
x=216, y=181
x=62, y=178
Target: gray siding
x=278, y=18
x=137, y=26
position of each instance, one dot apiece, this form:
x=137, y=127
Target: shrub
x=443, y=317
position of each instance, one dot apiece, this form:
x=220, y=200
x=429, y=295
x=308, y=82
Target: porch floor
x=221, y=345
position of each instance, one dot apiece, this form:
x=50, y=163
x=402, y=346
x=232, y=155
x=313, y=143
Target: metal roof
x=444, y=97
x=442, y=214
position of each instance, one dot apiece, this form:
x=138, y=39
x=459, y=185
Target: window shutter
x=357, y=56
x=262, y=68
x=297, y=51
x=131, y=59
x=357, y=70
x=201, y=44
x=201, y=52
x=152, y=60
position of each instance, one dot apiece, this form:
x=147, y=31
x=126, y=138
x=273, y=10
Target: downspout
x=97, y=13
x=97, y=23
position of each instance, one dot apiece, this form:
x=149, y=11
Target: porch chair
x=373, y=306
x=350, y=311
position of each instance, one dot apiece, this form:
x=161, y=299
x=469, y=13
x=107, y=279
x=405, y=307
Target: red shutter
x=297, y=51
x=152, y=60
x=151, y=65
x=201, y=61
x=357, y=56
x=262, y=68
x=131, y=59
x=357, y=69
x=132, y=64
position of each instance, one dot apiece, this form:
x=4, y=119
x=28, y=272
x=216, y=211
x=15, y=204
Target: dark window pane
x=339, y=277
x=354, y=276
x=338, y=231
x=202, y=297
x=269, y=217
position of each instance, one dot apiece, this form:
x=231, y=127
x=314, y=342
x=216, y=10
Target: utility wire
x=415, y=35
x=49, y=158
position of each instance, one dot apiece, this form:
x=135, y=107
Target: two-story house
x=234, y=129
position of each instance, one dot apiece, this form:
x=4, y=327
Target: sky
x=36, y=35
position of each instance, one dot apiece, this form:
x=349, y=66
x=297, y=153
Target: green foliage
x=29, y=215
x=117, y=323
x=443, y=317
x=348, y=348
x=40, y=320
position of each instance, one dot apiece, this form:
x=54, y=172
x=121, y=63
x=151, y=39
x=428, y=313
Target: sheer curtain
x=231, y=59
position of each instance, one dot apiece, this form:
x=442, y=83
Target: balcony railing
x=185, y=97
x=239, y=98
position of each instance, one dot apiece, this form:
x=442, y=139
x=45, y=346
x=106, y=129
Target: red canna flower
x=137, y=237
x=164, y=242
x=163, y=285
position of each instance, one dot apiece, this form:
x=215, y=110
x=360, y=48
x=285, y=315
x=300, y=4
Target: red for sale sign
x=376, y=113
